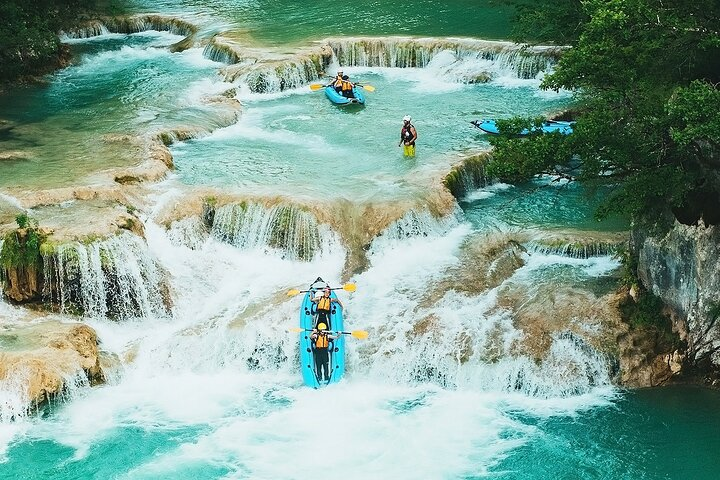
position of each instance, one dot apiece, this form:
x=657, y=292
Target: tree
x=645, y=76
x=28, y=38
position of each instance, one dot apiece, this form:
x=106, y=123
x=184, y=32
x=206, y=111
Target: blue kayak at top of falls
x=336, y=349
x=337, y=99
x=490, y=126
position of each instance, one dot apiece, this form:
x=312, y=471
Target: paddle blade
x=349, y=287
x=316, y=86
x=293, y=292
x=369, y=88
x=296, y=329
x=361, y=334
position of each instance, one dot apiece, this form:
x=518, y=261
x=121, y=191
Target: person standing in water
x=408, y=135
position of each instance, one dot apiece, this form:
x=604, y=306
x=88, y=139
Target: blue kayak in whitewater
x=337, y=99
x=336, y=349
x=490, y=126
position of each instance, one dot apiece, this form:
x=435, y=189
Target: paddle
x=348, y=287
x=360, y=334
x=369, y=88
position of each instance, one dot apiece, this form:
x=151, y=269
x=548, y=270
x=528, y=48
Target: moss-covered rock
x=21, y=261
x=467, y=175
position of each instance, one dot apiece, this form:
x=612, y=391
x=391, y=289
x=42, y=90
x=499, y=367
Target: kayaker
x=337, y=81
x=346, y=87
x=408, y=135
x=324, y=306
x=321, y=341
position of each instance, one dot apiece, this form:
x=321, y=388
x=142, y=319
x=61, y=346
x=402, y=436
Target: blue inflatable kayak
x=490, y=126
x=338, y=99
x=336, y=347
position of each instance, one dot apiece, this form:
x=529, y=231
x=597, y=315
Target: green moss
x=48, y=249
x=21, y=248
x=470, y=173
x=92, y=238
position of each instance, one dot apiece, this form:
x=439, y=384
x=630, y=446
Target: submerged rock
x=14, y=155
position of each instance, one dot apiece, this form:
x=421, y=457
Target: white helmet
x=406, y=118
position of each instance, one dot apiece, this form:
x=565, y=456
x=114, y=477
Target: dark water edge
x=662, y=433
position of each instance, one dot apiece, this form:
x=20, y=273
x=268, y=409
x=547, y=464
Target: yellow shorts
x=409, y=150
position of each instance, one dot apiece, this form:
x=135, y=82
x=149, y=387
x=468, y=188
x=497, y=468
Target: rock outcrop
x=41, y=361
x=682, y=268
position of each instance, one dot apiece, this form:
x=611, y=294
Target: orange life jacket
x=324, y=303
x=322, y=340
x=346, y=85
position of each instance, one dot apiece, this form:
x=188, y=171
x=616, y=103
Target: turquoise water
x=668, y=433
x=284, y=21
x=544, y=203
x=315, y=148
x=439, y=389
x=119, y=85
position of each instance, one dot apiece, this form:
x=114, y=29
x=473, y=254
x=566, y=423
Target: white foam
x=487, y=192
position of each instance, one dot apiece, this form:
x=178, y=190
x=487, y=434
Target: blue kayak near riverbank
x=551, y=126
x=337, y=99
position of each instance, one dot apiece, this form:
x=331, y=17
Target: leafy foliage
x=21, y=248
x=645, y=76
x=28, y=38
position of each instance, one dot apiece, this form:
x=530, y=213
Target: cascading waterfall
x=286, y=228
x=285, y=76
x=219, y=52
x=580, y=250
x=416, y=224
x=419, y=53
x=15, y=401
x=136, y=24
x=109, y=278
x=422, y=333
x=463, y=61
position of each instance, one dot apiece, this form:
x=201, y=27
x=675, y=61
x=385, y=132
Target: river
x=481, y=310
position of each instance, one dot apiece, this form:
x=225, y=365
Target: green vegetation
x=29, y=44
x=21, y=248
x=645, y=76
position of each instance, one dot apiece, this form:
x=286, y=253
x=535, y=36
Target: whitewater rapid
x=202, y=370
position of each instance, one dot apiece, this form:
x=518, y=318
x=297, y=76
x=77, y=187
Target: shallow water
x=316, y=149
x=77, y=123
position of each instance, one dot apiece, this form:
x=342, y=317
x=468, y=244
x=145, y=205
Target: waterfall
x=419, y=53
x=15, y=401
x=114, y=278
x=285, y=76
x=415, y=224
x=467, y=176
x=223, y=53
x=287, y=228
x=190, y=232
x=91, y=29
x=131, y=25
x=579, y=250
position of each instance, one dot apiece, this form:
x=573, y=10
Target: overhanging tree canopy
x=645, y=75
